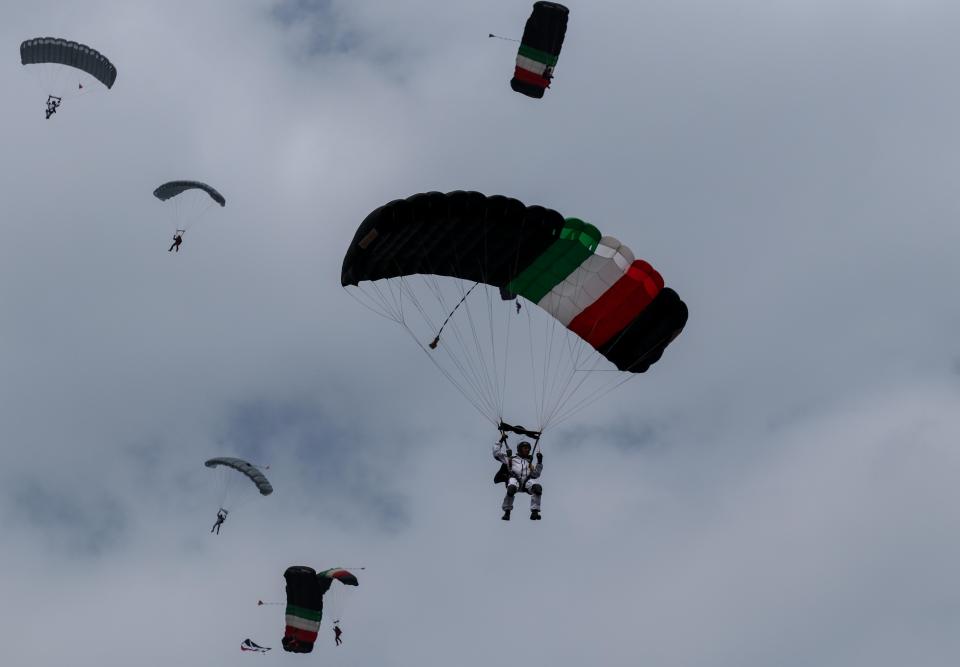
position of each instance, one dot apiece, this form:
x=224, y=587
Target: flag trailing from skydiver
x=540, y=48
x=305, y=590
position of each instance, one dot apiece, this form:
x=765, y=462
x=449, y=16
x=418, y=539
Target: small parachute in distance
x=540, y=48
x=250, y=645
x=53, y=50
x=305, y=590
x=174, y=188
x=244, y=468
x=343, y=576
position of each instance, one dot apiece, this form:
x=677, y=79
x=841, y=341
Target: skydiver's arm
x=535, y=470
x=499, y=452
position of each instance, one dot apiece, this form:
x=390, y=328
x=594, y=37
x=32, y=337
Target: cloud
x=779, y=489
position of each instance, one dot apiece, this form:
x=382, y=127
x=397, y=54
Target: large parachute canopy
x=188, y=201
x=305, y=590
x=540, y=48
x=236, y=482
x=66, y=69
x=246, y=469
x=56, y=51
x=455, y=270
x=174, y=188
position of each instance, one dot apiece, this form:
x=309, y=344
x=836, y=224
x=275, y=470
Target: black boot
x=534, y=515
x=506, y=515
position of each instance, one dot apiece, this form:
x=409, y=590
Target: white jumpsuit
x=522, y=473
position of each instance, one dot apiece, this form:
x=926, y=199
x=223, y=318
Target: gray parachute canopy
x=64, y=52
x=173, y=188
x=245, y=468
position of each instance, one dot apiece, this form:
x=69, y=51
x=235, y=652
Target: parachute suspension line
x=450, y=377
x=372, y=307
x=592, y=398
x=498, y=387
x=561, y=376
x=447, y=374
x=433, y=345
x=569, y=383
x=486, y=371
x=477, y=361
x=472, y=368
x=488, y=376
x=395, y=298
x=533, y=369
x=506, y=346
x=386, y=303
x=185, y=212
x=551, y=371
x=506, y=39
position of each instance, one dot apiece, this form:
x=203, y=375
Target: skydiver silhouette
x=336, y=634
x=221, y=517
x=52, y=103
x=177, y=240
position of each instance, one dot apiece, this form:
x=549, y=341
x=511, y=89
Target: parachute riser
x=519, y=430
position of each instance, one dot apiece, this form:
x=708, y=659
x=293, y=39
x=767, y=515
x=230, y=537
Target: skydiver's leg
x=171, y=247
x=536, y=492
x=512, y=486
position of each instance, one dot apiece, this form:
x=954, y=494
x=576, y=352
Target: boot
x=506, y=515
x=534, y=515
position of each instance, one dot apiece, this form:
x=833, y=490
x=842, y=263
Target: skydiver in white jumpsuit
x=522, y=472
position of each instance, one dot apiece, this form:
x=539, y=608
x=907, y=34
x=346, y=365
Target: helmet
x=524, y=444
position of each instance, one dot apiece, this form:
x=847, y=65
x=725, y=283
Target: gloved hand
x=539, y=457
x=509, y=452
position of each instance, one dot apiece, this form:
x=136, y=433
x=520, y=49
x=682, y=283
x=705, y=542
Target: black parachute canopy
x=525, y=251
x=173, y=188
x=540, y=48
x=244, y=468
x=73, y=54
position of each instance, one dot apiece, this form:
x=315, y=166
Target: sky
x=779, y=489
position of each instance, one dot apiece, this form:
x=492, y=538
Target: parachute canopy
x=174, y=188
x=250, y=645
x=592, y=287
x=64, y=52
x=244, y=468
x=305, y=590
x=343, y=576
x=540, y=48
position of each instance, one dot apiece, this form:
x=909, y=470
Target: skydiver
x=221, y=517
x=52, y=104
x=177, y=240
x=336, y=634
x=519, y=473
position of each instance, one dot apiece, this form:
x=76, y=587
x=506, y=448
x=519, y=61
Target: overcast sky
x=781, y=489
